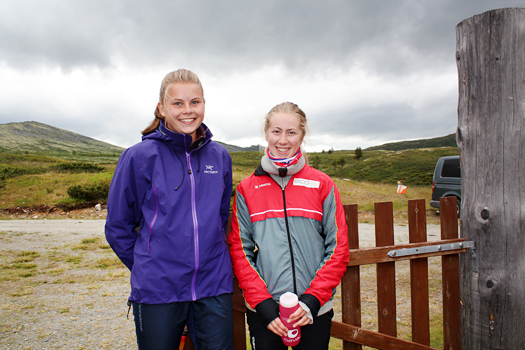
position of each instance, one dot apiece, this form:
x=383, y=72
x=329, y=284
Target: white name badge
x=306, y=183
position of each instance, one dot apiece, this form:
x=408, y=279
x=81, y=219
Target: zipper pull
x=129, y=308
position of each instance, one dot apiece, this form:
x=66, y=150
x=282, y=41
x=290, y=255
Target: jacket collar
x=270, y=167
x=260, y=171
x=180, y=140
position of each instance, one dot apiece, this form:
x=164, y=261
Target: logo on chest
x=306, y=183
x=262, y=185
x=209, y=170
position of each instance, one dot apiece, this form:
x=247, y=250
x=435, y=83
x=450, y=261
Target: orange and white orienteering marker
x=401, y=189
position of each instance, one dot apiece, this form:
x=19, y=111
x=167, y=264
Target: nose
x=187, y=108
x=282, y=138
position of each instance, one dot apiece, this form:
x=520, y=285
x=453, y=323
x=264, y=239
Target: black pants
x=209, y=320
x=314, y=336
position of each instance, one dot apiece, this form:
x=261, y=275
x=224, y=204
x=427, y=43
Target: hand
x=299, y=315
x=278, y=327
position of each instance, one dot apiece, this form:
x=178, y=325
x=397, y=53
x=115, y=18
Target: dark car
x=446, y=181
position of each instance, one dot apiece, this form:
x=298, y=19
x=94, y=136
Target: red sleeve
x=242, y=254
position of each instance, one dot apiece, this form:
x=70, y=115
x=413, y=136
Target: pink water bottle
x=288, y=303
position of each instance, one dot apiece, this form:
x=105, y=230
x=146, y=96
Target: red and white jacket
x=293, y=239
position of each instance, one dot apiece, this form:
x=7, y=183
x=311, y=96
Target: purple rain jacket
x=168, y=210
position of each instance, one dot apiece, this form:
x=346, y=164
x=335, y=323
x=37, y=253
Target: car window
x=451, y=168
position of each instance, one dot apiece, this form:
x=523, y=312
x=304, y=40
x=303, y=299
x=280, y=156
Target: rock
x=98, y=207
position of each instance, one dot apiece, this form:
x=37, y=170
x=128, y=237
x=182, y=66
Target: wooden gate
x=385, y=255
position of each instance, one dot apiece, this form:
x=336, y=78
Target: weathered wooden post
x=491, y=139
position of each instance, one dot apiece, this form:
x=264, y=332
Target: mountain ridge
x=443, y=141
x=31, y=136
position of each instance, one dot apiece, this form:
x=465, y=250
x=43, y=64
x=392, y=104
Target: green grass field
x=32, y=180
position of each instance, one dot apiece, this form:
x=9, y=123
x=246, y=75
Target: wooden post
x=417, y=232
x=351, y=282
x=491, y=139
x=386, y=272
x=450, y=276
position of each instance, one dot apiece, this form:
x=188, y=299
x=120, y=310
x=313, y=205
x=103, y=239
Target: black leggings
x=314, y=336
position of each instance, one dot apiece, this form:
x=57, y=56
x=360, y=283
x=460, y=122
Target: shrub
x=76, y=167
x=89, y=192
x=12, y=171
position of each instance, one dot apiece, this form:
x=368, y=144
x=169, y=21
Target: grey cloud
x=385, y=36
x=379, y=120
x=392, y=121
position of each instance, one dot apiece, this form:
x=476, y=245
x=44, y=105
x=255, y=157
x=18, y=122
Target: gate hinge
x=431, y=249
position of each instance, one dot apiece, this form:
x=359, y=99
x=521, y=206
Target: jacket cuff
x=312, y=302
x=267, y=310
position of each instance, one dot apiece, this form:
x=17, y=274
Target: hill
x=414, y=166
x=35, y=137
x=444, y=141
x=233, y=148
x=63, y=158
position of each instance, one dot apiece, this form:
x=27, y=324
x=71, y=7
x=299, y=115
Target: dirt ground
x=63, y=287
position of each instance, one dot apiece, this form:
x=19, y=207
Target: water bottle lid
x=288, y=299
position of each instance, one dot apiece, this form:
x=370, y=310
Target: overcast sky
x=365, y=72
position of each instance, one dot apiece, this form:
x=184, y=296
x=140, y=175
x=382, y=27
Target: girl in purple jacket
x=168, y=208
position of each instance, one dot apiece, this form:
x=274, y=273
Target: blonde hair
x=287, y=107
x=178, y=76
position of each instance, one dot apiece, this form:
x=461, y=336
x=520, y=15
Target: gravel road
x=71, y=230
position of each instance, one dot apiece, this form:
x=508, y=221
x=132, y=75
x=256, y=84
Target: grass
x=366, y=181
x=414, y=166
x=47, y=189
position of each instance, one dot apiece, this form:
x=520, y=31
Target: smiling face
x=183, y=108
x=284, y=135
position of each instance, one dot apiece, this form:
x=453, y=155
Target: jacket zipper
x=195, y=229
x=289, y=243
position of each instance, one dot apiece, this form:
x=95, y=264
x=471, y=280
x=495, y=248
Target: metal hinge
x=431, y=249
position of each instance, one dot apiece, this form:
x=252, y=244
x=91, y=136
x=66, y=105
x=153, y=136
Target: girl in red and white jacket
x=288, y=234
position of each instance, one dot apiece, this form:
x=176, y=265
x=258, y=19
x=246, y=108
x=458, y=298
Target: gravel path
x=70, y=230
x=63, y=288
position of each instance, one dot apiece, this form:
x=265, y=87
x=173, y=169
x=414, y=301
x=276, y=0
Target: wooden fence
x=385, y=255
